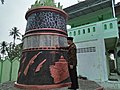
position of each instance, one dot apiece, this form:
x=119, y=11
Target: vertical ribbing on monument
x=43, y=65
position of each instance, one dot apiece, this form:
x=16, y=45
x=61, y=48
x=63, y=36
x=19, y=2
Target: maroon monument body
x=42, y=64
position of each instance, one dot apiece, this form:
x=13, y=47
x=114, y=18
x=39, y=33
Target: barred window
x=78, y=32
x=93, y=29
x=111, y=25
x=70, y=33
x=88, y=30
x=105, y=26
x=83, y=31
x=74, y=33
x=86, y=50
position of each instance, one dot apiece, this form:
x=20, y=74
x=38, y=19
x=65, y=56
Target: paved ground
x=83, y=85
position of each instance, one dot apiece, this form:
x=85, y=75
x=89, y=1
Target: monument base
x=42, y=87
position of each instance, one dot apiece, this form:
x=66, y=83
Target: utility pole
x=113, y=8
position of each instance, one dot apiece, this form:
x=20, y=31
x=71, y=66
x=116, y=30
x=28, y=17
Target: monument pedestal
x=42, y=65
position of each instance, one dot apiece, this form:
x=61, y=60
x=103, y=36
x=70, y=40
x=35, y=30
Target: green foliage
x=2, y=1
x=39, y=3
x=3, y=47
x=12, y=53
x=15, y=33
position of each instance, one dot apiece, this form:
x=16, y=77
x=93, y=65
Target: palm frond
x=15, y=33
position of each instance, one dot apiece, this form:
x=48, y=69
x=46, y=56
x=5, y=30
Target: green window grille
x=88, y=30
x=83, y=31
x=111, y=25
x=78, y=32
x=105, y=27
x=93, y=29
x=74, y=33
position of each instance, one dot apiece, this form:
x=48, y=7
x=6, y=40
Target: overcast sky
x=12, y=14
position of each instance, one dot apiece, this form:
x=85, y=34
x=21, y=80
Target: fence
x=9, y=70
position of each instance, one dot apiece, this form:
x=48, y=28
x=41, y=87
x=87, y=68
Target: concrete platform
x=83, y=85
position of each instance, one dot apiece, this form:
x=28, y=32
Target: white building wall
x=92, y=60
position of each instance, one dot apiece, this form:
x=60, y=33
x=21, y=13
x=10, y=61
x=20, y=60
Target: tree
x=15, y=33
x=9, y=51
x=2, y=1
x=3, y=48
x=14, y=52
x=18, y=50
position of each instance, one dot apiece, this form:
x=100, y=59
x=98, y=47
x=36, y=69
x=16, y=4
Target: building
x=95, y=28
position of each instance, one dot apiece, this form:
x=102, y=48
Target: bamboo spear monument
x=42, y=64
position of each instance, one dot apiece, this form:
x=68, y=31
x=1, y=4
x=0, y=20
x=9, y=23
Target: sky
x=12, y=14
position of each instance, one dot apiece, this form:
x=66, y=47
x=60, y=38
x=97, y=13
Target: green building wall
x=103, y=29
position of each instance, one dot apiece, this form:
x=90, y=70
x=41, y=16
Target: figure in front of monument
x=72, y=63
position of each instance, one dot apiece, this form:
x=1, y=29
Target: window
x=88, y=30
x=70, y=33
x=93, y=29
x=74, y=33
x=105, y=26
x=78, y=32
x=111, y=25
x=86, y=50
x=83, y=31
